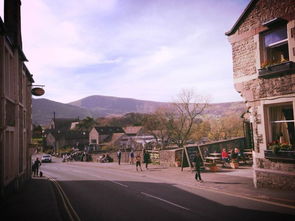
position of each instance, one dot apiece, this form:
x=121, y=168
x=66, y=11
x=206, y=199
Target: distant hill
x=99, y=106
x=43, y=110
x=105, y=105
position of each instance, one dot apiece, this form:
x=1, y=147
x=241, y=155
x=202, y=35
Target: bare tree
x=182, y=116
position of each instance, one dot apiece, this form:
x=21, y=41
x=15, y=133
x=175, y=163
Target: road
x=97, y=192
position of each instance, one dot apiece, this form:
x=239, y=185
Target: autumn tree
x=226, y=127
x=156, y=125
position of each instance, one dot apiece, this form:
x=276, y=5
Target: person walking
x=36, y=165
x=119, y=154
x=131, y=156
x=138, y=162
x=146, y=158
x=198, y=162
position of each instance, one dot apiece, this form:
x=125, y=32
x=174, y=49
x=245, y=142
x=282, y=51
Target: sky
x=142, y=49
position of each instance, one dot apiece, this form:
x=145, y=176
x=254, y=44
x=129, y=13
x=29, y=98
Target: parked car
x=46, y=158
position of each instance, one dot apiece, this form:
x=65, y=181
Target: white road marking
x=166, y=201
x=97, y=176
x=118, y=183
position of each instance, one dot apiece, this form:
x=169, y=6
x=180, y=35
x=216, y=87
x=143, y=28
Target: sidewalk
x=36, y=201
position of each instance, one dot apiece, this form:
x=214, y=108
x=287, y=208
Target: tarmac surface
x=39, y=199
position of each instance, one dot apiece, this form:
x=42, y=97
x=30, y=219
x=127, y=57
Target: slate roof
x=109, y=130
x=64, y=124
x=132, y=130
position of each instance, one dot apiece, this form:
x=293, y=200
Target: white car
x=46, y=158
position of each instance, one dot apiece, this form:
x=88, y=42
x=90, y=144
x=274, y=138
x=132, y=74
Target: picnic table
x=213, y=159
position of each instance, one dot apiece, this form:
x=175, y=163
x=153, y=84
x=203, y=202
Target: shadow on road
x=121, y=200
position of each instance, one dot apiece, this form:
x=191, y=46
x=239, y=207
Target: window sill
x=280, y=155
x=277, y=70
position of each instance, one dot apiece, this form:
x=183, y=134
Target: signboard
x=38, y=91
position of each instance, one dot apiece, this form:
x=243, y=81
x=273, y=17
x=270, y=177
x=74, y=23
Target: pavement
x=40, y=200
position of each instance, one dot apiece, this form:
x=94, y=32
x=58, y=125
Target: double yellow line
x=73, y=216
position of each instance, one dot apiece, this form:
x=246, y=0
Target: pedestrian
x=138, y=162
x=34, y=169
x=131, y=157
x=146, y=158
x=224, y=157
x=119, y=154
x=198, y=162
x=37, y=164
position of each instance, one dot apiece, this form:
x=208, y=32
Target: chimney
x=12, y=21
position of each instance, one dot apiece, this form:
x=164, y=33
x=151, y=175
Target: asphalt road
x=101, y=193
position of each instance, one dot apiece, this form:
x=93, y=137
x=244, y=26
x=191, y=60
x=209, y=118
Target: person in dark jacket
x=36, y=165
x=146, y=158
x=119, y=154
x=198, y=163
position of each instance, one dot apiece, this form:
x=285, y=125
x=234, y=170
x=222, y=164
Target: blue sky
x=142, y=49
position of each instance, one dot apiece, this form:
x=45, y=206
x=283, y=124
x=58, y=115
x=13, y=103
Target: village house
x=105, y=136
x=62, y=133
x=15, y=104
x=263, y=51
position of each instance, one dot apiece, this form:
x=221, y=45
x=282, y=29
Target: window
x=275, y=46
x=281, y=119
x=10, y=113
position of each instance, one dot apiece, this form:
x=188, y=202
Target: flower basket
x=280, y=155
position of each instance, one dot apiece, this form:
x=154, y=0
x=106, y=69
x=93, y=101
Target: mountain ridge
x=102, y=106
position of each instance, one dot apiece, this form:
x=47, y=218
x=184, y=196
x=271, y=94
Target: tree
x=182, y=116
x=156, y=125
x=226, y=127
x=86, y=124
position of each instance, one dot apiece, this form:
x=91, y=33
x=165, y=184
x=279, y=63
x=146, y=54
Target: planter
x=281, y=155
x=234, y=165
x=213, y=168
x=277, y=69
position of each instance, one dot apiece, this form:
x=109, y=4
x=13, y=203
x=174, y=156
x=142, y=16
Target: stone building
x=263, y=51
x=15, y=103
x=105, y=136
x=62, y=133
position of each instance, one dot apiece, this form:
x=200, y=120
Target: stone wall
x=272, y=165
x=276, y=86
x=243, y=53
x=266, y=10
x=267, y=179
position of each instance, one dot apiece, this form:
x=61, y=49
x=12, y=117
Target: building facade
x=15, y=103
x=263, y=51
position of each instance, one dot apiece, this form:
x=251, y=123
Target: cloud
x=139, y=49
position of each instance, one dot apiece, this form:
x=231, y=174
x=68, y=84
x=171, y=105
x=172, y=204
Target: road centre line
x=212, y=189
x=68, y=206
x=118, y=183
x=97, y=176
x=166, y=201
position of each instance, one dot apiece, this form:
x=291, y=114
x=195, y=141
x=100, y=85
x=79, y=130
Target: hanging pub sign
x=38, y=91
